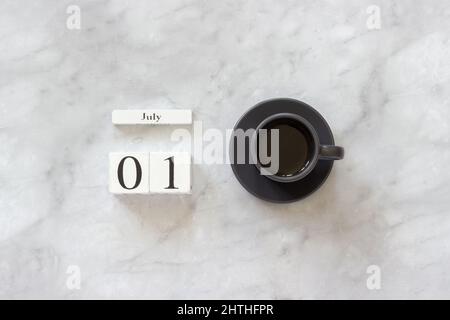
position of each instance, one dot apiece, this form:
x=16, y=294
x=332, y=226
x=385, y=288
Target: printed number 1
x=171, y=175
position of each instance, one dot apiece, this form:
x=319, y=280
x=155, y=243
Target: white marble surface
x=384, y=92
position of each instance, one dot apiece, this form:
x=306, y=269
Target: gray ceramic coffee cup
x=317, y=153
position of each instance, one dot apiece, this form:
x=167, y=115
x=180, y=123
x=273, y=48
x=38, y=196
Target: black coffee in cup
x=299, y=147
x=296, y=145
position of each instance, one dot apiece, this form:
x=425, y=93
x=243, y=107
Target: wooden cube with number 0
x=129, y=172
x=170, y=172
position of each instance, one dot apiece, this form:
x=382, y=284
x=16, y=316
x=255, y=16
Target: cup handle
x=330, y=152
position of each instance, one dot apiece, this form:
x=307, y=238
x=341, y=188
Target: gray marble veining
x=385, y=92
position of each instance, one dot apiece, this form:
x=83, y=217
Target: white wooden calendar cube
x=152, y=116
x=128, y=172
x=170, y=172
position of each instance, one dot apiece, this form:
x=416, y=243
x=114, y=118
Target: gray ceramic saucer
x=267, y=189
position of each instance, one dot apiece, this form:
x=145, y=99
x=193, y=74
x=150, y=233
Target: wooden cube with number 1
x=170, y=172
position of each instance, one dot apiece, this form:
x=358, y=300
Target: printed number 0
x=138, y=173
x=171, y=176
